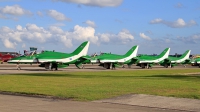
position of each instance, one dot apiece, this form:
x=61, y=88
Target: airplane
x=148, y=61
x=172, y=61
x=110, y=61
x=54, y=60
x=196, y=62
x=5, y=57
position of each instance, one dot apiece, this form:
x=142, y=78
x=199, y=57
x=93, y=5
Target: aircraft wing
x=86, y=57
x=167, y=60
x=187, y=61
x=82, y=60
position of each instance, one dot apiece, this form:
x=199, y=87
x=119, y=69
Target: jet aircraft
x=196, y=62
x=172, y=61
x=109, y=61
x=5, y=57
x=54, y=60
x=148, y=61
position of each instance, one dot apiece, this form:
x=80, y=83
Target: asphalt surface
x=126, y=103
x=10, y=103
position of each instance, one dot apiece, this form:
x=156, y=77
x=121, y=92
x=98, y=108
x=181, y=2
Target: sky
x=110, y=25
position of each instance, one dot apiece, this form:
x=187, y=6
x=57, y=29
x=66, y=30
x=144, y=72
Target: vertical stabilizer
x=82, y=49
x=186, y=55
x=164, y=54
x=132, y=52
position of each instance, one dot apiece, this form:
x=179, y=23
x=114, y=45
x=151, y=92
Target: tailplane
x=82, y=49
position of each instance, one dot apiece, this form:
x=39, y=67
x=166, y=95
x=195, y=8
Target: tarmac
x=125, y=103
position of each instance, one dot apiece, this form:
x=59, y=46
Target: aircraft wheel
x=83, y=66
x=54, y=69
x=147, y=66
x=142, y=65
x=106, y=65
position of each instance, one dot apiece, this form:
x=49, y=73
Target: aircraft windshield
x=30, y=53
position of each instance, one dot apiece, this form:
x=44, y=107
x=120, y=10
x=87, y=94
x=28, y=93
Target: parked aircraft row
x=54, y=60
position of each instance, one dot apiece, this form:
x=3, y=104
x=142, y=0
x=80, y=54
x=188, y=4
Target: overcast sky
x=110, y=25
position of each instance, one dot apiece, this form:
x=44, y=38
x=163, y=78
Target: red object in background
x=5, y=57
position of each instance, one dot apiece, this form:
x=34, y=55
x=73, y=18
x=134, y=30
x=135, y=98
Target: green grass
x=88, y=86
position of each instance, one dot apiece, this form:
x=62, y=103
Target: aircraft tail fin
x=82, y=49
x=132, y=52
x=164, y=54
x=186, y=54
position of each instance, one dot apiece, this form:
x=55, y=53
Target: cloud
x=119, y=21
x=90, y=23
x=123, y=37
x=98, y=3
x=39, y=13
x=2, y=16
x=14, y=10
x=144, y=36
x=23, y=45
x=156, y=21
x=84, y=33
x=57, y=15
x=179, y=23
x=193, y=39
x=167, y=40
x=179, y=5
x=55, y=30
x=67, y=42
x=8, y=44
x=12, y=37
x=105, y=37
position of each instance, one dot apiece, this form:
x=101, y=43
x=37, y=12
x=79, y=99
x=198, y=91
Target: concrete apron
x=156, y=102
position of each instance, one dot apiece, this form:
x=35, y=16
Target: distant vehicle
x=6, y=57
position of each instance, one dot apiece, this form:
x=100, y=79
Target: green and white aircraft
x=25, y=59
x=148, y=61
x=196, y=62
x=172, y=61
x=110, y=61
x=54, y=60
